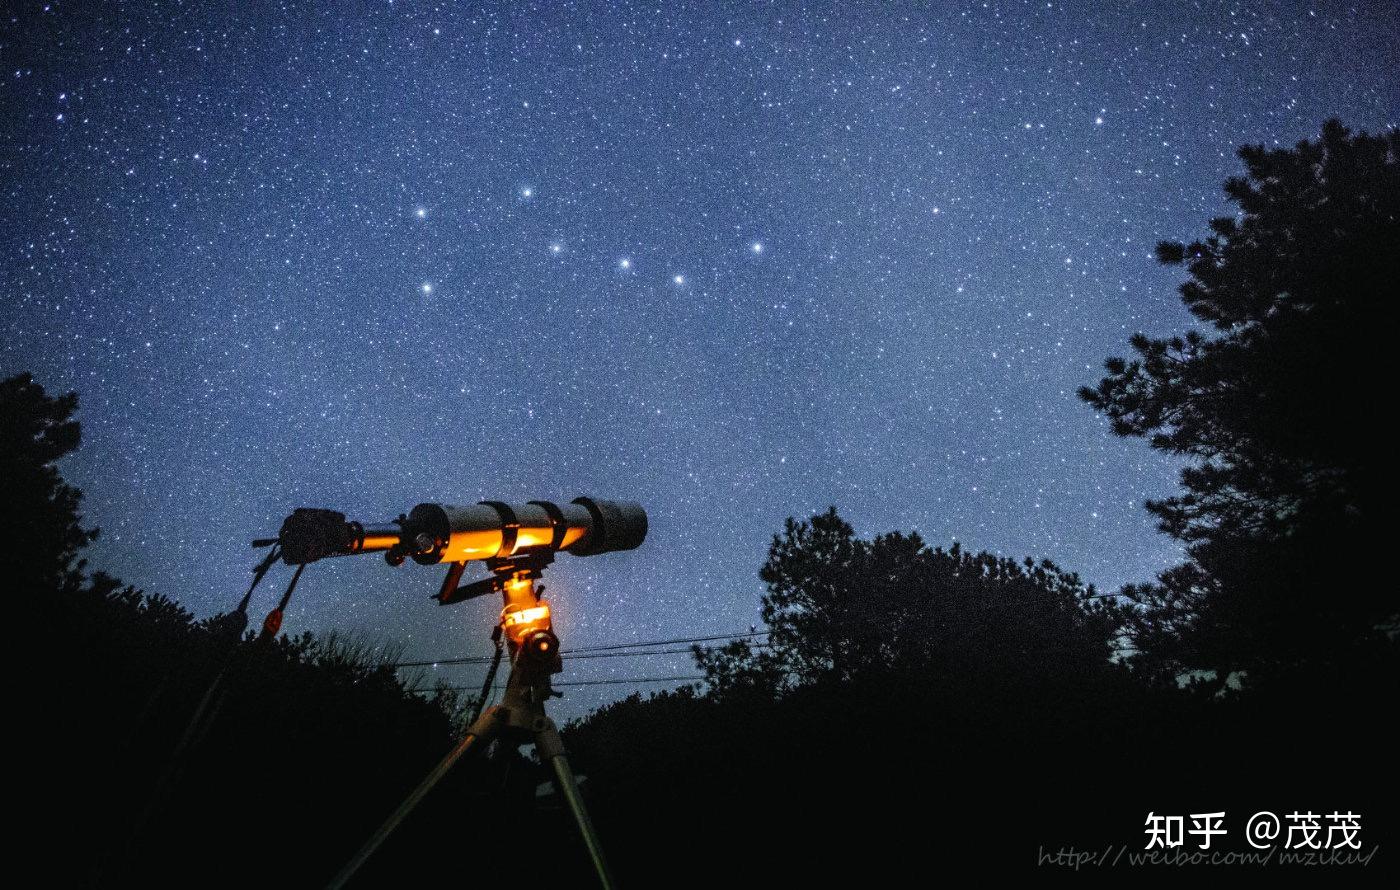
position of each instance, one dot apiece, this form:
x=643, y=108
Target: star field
x=734, y=262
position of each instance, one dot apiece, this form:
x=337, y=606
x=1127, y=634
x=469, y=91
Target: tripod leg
x=551, y=748
x=478, y=736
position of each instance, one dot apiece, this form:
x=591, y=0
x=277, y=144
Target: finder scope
x=490, y=530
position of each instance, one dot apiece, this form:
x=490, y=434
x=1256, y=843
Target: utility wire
x=582, y=683
x=616, y=650
x=686, y=651
x=486, y=659
x=752, y=633
x=610, y=647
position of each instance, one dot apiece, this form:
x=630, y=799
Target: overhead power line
x=752, y=633
x=685, y=679
x=474, y=660
x=577, y=651
x=685, y=651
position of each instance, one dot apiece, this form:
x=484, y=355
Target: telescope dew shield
x=497, y=530
x=617, y=525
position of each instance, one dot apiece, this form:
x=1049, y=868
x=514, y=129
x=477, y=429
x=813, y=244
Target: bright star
x=678, y=279
x=757, y=247
x=527, y=192
x=421, y=213
x=556, y=247
x=625, y=263
x=426, y=287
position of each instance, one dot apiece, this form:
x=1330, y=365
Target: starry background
x=736, y=262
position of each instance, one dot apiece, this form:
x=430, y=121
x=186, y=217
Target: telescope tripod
x=519, y=718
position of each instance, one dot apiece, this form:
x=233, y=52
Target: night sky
x=734, y=262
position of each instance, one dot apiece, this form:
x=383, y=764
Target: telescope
x=515, y=541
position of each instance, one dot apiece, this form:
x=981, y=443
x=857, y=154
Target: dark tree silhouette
x=840, y=608
x=1277, y=409
x=914, y=701
x=312, y=740
x=40, y=525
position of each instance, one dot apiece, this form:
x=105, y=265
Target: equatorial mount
x=505, y=571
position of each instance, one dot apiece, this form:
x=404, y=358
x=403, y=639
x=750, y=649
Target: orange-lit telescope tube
x=438, y=533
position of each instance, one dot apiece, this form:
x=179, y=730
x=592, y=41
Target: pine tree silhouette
x=1276, y=405
x=40, y=525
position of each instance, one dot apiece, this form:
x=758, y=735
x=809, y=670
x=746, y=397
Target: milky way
x=737, y=263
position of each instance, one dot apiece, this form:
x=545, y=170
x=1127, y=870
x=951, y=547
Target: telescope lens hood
x=617, y=525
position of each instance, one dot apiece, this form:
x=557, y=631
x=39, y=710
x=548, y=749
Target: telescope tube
x=434, y=533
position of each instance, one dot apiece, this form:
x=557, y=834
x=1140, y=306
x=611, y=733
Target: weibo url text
x=1121, y=855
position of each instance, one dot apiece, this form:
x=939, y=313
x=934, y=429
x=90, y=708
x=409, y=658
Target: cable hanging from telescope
x=486, y=685
x=258, y=572
x=272, y=624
